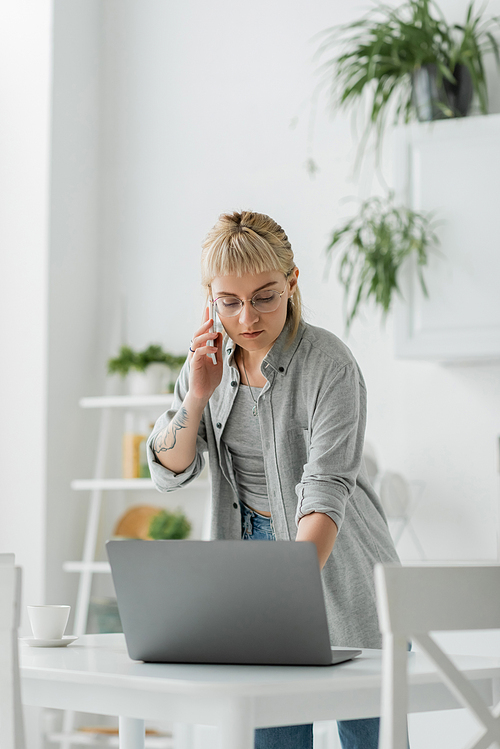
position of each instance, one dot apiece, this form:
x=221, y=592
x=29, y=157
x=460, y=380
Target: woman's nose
x=248, y=314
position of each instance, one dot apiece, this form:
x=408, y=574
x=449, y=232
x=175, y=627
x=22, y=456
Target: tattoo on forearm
x=167, y=439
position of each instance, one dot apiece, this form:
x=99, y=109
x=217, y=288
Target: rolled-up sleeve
x=336, y=447
x=164, y=479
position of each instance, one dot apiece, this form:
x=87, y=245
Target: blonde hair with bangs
x=248, y=242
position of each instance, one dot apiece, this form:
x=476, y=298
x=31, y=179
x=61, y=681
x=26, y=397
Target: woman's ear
x=292, y=281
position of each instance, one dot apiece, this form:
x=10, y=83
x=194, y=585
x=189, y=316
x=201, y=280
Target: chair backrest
x=395, y=494
x=11, y=720
x=8, y=559
x=413, y=601
x=425, y=599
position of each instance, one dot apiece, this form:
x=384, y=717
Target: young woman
x=282, y=415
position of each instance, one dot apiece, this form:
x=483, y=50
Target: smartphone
x=212, y=313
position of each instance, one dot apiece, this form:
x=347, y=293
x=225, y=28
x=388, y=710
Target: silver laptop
x=222, y=602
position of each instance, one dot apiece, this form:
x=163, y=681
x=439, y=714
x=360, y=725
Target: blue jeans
x=354, y=734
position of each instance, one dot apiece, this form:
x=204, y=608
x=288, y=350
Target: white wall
x=25, y=86
x=165, y=115
x=209, y=109
x=49, y=281
x=75, y=265
x=25, y=70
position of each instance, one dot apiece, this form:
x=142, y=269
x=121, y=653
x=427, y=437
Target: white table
x=95, y=675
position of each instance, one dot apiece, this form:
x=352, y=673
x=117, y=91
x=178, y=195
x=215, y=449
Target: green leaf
x=169, y=525
x=128, y=359
x=494, y=47
x=446, y=72
x=372, y=58
x=371, y=248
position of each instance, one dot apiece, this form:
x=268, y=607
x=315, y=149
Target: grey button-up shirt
x=312, y=414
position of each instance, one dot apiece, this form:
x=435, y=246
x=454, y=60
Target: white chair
x=399, y=499
x=11, y=720
x=413, y=601
x=398, y=496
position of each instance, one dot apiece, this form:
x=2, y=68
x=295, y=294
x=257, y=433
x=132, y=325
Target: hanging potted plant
x=409, y=61
x=148, y=372
x=373, y=246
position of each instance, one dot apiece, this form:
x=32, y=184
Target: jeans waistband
x=255, y=526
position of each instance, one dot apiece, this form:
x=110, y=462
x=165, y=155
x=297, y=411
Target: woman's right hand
x=204, y=375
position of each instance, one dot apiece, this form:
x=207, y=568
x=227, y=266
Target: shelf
x=81, y=485
x=97, y=739
x=96, y=567
x=127, y=401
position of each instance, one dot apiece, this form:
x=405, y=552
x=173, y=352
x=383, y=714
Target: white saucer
x=34, y=643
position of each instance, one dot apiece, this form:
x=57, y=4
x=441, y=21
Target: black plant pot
x=437, y=102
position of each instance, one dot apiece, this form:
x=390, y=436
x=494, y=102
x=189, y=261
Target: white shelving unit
x=87, y=566
x=126, y=401
x=94, y=567
x=82, y=485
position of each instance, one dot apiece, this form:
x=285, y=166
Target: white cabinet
x=452, y=168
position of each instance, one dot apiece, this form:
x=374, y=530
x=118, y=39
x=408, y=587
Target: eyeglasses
x=267, y=300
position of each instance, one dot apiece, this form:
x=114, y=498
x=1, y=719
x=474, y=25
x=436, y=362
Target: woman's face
x=251, y=329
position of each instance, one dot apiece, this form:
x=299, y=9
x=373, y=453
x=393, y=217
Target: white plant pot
x=149, y=382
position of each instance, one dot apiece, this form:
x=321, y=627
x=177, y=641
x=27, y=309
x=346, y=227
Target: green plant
x=373, y=246
x=382, y=50
x=169, y=525
x=128, y=359
x=476, y=40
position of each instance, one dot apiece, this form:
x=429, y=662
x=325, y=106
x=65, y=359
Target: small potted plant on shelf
x=373, y=245
x=410, y=61
x=150, y=371
x=150, y=522
x=169, y=525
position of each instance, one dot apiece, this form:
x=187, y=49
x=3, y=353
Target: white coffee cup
x=48, y=622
